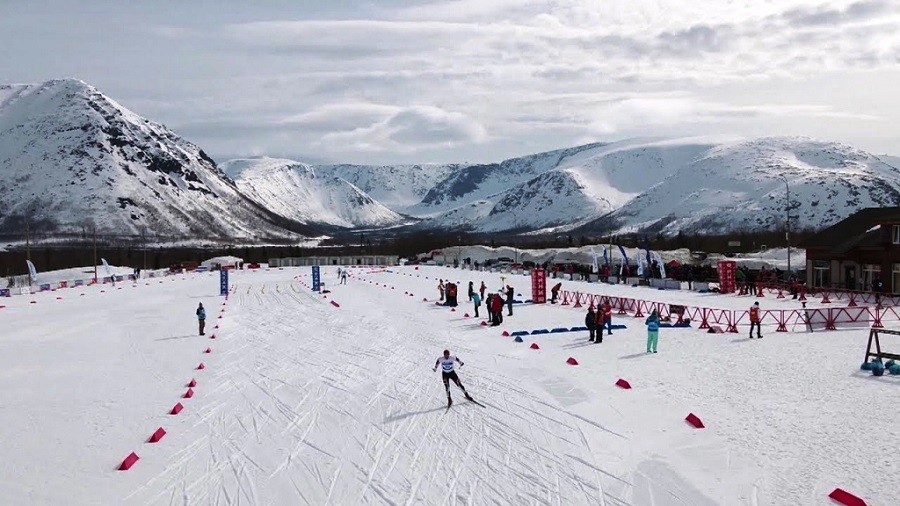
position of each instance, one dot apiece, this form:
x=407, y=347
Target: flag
x=594, y=267
x=605, y=257
x=32, y=272
x=106, y=267
x=624, y=260
x=662, y=266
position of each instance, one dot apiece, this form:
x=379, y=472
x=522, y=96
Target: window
x=895, y=279
x=821, y=274
x=870, y=272
x=895, y=234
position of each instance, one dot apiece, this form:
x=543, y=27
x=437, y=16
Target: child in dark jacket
x=590, y=321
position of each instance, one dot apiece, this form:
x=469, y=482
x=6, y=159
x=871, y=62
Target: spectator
x=497, y=308
x=510, y=295
x=201, y=318
x=441, y=288
x=607, y=319
x=590, y=321
x=476, y=299
x=755, y=320
x=471, y=290
x=554, y=292
x=652, y=323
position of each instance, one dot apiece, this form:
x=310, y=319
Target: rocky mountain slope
x=72, y=160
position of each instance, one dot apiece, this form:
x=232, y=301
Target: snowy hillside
x=299, y=192
x=396, y=186
x=72, y=159
x=740, y=186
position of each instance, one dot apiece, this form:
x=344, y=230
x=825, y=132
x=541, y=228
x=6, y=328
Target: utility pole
x=787, y=233
x=27, y=236
x=95, y=254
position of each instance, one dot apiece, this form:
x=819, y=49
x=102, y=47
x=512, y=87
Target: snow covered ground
x=302, y=402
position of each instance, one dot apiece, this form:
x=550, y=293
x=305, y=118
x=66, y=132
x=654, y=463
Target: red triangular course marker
x=201, y=366
x=208, y=350
x=534, y=346
x=188, y=394
x=466, y=315
x=623, y=384
x=846, y=498
x=192, y=384
x=212, y=336
x=484, y=324
x=695, y=421
x=156, y=436
x=128, y=462
x=572, y=361
x=335, y=304
x=505, y=333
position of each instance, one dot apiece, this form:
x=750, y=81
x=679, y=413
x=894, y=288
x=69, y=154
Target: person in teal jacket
x=652, y=323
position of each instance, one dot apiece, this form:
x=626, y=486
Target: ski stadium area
x=110, y=396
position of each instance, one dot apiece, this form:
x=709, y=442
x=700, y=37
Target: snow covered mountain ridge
x=71, y=160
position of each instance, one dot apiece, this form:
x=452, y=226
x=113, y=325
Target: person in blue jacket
x=201, y=318
x=477, y=300
x=652, y=323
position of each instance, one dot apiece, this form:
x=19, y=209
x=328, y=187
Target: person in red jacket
x=607, y=318
x=754, y=320
x=497, y=309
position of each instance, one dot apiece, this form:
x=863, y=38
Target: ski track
x=295, y=381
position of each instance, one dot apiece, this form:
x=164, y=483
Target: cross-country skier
x=201, y=318
x=755, y=320
x=344, y=277
x=447, y=363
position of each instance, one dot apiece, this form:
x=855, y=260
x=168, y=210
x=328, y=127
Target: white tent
x=223, y=262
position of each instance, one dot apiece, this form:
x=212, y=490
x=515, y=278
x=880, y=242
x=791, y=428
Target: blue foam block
x=615, y=327
x=518, y=339
x=559, y=329
x=577, y=329
x=520, y=333
x=540, y=331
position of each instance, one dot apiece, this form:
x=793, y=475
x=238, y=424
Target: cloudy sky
x=384, y=81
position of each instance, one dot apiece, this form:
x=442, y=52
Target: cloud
x=410, y=130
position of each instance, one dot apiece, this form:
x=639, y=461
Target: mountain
x=741, y=185
x=302, y=193
x=396, y=186
x=72, y=159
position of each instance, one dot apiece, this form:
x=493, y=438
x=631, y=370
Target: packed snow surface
x=303, y=402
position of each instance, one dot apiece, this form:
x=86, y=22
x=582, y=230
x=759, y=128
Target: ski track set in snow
x=307, y=398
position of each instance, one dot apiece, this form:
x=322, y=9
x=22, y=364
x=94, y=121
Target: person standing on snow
x=447, y=363
x=652, y=323
x=590, y=321
x=497, y=309
x=482, y=289
x=201, y=318
x=755, y=320
x=344, y=277
x=441, y=288
x=477, y=300
x=604, y=318
x=471, y=290
x=510, y=295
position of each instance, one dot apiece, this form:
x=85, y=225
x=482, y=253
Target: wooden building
x=856, y=251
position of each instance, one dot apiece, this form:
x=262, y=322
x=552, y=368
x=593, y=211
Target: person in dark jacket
x=590, y=321
x=201, y=318
x=554, y=292
x=510, y=295
x=487, y=306
x=471, y=290
x=482, y=289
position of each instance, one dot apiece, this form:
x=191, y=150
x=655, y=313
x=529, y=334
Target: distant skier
x=447, y=363
x=201, y=318
x=510, y=295
x=652, y=323
x=339, y=273
x=344, y=277
x=476, y=299
x=441, y=288
x=755, y=320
